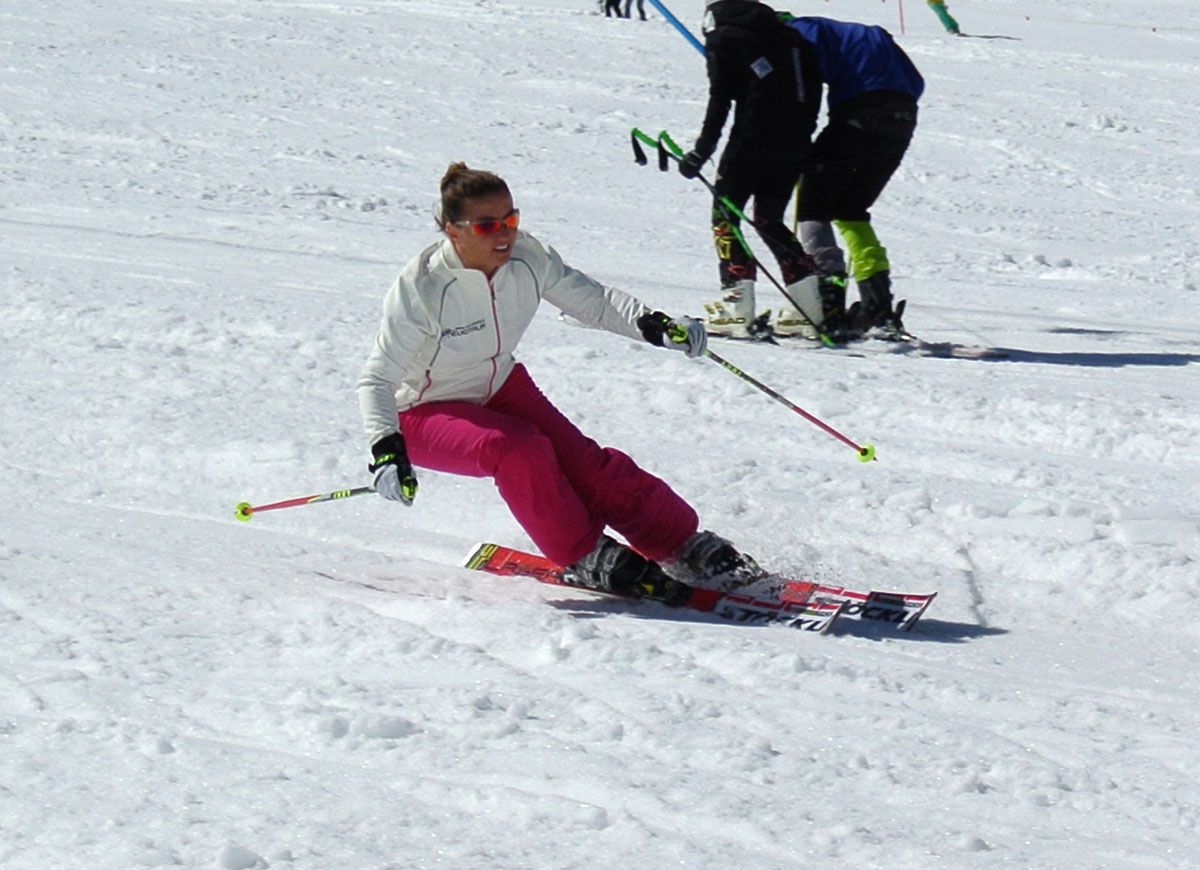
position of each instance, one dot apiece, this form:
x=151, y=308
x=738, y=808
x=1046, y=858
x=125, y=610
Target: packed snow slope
x=201, y=206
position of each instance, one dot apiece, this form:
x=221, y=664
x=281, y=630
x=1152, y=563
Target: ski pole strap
x=244, y=510
x=668, y=149
x=665, y=138
x=639, y=156
x=866, y=452
x=642, y=136
x=667, y=145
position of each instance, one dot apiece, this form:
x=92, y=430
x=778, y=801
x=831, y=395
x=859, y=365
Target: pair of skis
x=903, y=342
x=803, y=605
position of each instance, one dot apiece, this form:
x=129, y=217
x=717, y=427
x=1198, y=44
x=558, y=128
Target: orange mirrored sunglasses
x=491, y=226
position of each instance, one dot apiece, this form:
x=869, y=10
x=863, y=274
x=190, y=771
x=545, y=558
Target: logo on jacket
x=460, y=331
x=762, y=67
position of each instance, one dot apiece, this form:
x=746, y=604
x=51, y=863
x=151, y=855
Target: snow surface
x=201, y=205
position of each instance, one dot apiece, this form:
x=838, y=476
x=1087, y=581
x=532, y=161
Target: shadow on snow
x=927, y=630
x=1093, y=359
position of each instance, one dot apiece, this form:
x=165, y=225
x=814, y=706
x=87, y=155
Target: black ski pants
x=853, y=159
x=771, y=187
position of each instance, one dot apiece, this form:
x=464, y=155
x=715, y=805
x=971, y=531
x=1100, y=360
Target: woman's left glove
x=394, y=478
x=682, y=333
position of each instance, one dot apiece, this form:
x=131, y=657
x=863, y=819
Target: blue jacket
x=858, y=58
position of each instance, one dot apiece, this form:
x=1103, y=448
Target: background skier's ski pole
x=678, y=25
x=669, y=150
x=244, y=510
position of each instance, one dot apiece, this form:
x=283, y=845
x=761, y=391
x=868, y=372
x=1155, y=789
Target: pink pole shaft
x=825, y=427
x=311, y=499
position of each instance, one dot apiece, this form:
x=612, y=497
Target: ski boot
x=733, y=313
x=708, y=561
x=822, y=301
x=804, y=320
x=874, y=314
x=613, y=567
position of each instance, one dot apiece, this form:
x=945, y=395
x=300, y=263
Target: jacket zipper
x=496, y=321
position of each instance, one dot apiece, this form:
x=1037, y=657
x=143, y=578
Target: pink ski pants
x=562, y=487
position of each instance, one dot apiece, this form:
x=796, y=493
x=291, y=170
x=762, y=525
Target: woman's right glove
x=394, y=478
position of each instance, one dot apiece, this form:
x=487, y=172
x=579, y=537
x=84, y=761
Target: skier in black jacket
x=773, y=77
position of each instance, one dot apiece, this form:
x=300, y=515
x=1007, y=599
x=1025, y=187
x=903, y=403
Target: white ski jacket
x=448, y=333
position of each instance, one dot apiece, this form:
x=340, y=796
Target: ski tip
x=479, y=555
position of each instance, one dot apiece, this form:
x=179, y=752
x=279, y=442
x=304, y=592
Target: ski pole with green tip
x=866, y=452
x=244, y=510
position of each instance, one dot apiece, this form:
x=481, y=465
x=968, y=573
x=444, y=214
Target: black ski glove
x=682, y=333
x=394, y=478
x=690, y=163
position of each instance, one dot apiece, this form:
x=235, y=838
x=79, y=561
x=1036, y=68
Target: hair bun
x=461, y=184
x=453, y=171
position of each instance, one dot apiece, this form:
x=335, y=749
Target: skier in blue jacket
x=871, y=103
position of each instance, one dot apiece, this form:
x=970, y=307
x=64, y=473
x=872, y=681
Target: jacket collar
x=445, y=256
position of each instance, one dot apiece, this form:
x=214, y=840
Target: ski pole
x=866, y=452
x=669, y=149
x=668, y=145
x=244, y=510
x=678, y=25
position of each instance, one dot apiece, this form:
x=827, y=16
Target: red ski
x=801, y=604
x=815, y=616
x=902, y=609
